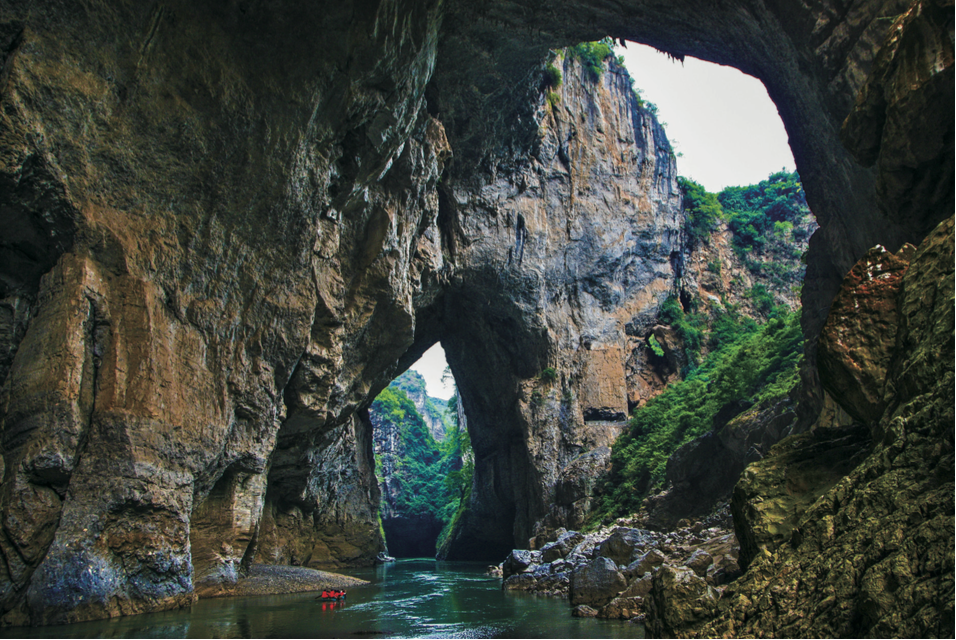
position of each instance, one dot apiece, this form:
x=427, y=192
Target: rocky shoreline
x=627, y=572
x=268, y=580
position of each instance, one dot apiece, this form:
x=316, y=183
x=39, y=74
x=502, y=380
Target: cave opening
x=423, y=459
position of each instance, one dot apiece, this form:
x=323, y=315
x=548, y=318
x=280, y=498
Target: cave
x=231, y=235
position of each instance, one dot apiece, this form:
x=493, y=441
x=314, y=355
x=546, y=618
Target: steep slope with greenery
x=750, y=364
x=432, y=410
x=733, y=331
x=422, y=480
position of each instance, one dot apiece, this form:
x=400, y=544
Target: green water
x=407, y=599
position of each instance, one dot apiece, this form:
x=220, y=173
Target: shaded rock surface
x=223, y=235
x=703, y=472
x=859, y=336
x=874, y=552
x=611, y=573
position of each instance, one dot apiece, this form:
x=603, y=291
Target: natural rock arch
x=226, y=228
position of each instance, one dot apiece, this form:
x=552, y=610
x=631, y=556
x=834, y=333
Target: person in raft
x=333, y=595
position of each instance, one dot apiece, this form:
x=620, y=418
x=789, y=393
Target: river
x=414, y=598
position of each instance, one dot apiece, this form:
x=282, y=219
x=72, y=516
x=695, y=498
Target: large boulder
x=623, y=544
x=859, y=336
x=679, y=598
x=646, y=563
x=596, y=583
x=699, y=561
x=520, y=582
x=622, y=608
x=561, y=547
x=517, y=562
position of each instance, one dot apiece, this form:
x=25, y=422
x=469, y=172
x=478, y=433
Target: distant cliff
x=432, y=410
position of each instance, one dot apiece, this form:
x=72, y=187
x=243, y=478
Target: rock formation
x=227, y=227
x=852, y=529
x=432, y=410
x=412, y=468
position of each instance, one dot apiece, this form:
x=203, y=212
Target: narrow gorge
x=228, y=227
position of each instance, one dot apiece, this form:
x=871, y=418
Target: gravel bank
x=266, y=579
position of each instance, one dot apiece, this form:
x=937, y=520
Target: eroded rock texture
x=869, y=553
x=224, y=233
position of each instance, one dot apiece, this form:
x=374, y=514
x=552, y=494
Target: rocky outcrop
x=533, y=293
x=859, y=336
x=227, y=228
x=874, y=550
x=621, y=572
x=703, y=472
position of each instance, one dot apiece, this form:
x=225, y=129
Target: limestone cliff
x=432, y=410
x=228, y=226
x=862, y=515
x=569, y=256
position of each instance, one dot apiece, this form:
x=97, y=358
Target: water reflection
x=408, y=599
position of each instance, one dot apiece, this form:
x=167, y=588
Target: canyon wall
x=227, y=226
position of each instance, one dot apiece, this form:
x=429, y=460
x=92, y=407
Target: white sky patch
x=720, y=119
x=432, y=365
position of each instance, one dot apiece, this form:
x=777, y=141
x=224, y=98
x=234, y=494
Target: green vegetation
x=548, y=375
x=655, y=346
x=459, y=480
x=701, y=208
x=690, y=326
x=413, y=384
x=753, y=212
x=768, y=220
x=420, y=472
x=592, y=55
x=552, y=82
x=750, y=362
x=434, y=478
x=552, y=76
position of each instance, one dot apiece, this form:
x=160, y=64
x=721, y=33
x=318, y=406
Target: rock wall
x=851, y=529
x=227, y=226
x=569, y=256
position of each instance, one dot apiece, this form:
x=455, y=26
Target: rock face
x=227, y=228
x=874, y=550
x=859, y=336
x=556, y=270
x=695, y=483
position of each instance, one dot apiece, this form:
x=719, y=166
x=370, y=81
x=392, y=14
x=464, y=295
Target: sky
x=432, y=365
x=722, y=122
x=720, y=119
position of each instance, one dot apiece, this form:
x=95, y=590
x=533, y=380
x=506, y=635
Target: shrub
x=655, y=346
x=552, y=76
x=548, y=374
x=702, y=210
x=592, y=55
x=771, y=208
x=756, y=364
